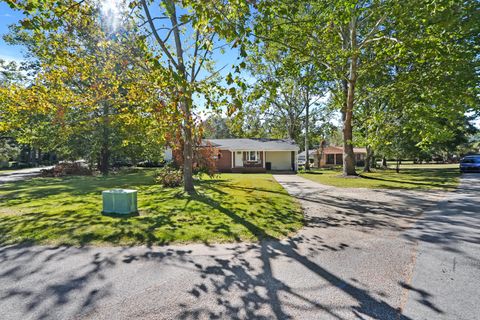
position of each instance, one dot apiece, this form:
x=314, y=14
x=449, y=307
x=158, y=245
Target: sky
x=8, y=17
x=9, y=52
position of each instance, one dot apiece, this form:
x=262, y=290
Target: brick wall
x=224, y=162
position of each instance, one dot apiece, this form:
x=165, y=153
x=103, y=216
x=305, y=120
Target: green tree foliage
x=218, y=127
x=185, y=36
x=8, y=150
x=10, y=72
x=96, y=96
x=430, y=50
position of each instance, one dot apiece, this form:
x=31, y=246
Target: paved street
x=22, y=174
x=364, y=254
x=446, y=279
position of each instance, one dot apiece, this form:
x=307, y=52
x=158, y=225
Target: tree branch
x=195, y=53
x=377, y=39
x=155, y=34
x=153, y=19
x=71, y=7
x=203, y=59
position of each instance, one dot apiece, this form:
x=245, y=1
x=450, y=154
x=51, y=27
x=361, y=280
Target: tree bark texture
x=104, y=161
x=348, y=154
x=368, y=160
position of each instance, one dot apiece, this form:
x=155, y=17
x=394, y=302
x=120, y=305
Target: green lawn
x=231, y=207
x=444, y=177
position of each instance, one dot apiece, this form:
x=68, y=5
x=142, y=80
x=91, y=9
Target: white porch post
x=295, y=161
x=232, y=154
x=263, y=159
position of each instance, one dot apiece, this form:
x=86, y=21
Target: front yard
x=440, y=177
x=229, y=208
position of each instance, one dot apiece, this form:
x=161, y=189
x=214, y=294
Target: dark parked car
x=470, y=163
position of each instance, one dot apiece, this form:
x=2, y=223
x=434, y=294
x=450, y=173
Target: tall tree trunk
x=105, y=149
x=307, y=156
x=348, y=155
x=322, y=149
x=188, y=149
x=104, y=160
x=384, y=163
x=368, y=159
x=185, y=104
x=373, y=161
x=397, y=168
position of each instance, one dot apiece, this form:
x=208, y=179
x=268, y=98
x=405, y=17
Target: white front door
x=238, y=159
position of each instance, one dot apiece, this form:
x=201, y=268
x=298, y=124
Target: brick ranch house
x=331, y=156
x=251, y=155
x=255, y=155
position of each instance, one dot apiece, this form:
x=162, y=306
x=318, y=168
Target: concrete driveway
x=355, y=259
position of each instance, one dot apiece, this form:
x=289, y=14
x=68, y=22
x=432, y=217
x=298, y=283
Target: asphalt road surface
x=17, y=175
x=446, y=279
x=364, y=254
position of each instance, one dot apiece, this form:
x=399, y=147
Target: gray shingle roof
x=254, y=144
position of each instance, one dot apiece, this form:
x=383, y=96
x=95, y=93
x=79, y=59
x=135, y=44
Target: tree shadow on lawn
x=167, y=215
x=225, y=185
x=27, y=190
x=279, y=220
x=74, y=228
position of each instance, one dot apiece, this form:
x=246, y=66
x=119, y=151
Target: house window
x=252, y=156
x=330, y=158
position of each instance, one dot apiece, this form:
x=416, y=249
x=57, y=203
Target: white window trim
x=257, y=156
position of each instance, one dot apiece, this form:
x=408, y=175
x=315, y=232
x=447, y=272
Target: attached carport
x=255, y=155
x=280, y=160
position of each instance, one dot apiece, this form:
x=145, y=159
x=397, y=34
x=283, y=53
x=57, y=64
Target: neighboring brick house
x=331, y=156
x=255, y=155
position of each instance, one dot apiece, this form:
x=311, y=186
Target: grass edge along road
x=436, y=177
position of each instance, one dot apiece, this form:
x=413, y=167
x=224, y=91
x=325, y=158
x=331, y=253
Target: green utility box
x=120, y=201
